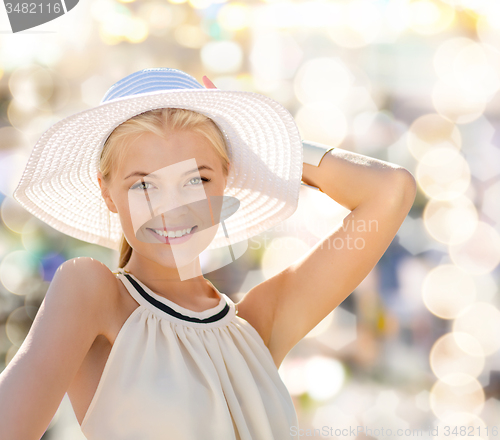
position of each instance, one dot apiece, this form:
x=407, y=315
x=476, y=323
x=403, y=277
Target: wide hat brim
x=59, y=184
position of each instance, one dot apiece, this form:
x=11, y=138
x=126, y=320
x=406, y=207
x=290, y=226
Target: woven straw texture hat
x=59, y=184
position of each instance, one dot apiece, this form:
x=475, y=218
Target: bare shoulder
x=86, y=268
x=93, y=281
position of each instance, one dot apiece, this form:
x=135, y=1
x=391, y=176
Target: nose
x=171, y=204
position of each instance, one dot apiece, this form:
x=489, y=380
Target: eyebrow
x=142, y=173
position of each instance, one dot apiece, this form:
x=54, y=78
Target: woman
x=153, y=350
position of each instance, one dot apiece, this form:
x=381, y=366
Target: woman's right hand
x=208, y=84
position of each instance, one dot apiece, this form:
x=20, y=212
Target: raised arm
x=379, y=195
x=34, y=382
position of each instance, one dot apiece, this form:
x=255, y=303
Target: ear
x=105, y=193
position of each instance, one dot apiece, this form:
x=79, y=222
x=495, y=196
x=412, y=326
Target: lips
x=173, y=240
x=164, y=232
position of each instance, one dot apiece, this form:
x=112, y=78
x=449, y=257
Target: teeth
x=172, y=234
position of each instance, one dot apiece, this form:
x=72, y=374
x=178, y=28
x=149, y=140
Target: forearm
x=352, y=179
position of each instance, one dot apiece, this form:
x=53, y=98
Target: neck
x=186, y=282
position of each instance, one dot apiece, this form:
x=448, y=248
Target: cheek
x=217, y=188
x=122, y=205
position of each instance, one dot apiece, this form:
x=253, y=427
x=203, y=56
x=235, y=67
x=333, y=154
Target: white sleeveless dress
x=173, y=373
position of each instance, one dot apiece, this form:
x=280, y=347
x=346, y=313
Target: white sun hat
x=59, y=184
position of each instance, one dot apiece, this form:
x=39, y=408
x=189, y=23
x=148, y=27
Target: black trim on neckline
x=173, y=312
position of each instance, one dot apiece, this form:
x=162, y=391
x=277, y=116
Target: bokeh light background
x=410, y=82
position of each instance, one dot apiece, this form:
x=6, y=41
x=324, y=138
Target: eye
x=197, y=179
x=140, y=185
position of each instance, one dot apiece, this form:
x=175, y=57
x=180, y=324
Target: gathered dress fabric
x=174, y=373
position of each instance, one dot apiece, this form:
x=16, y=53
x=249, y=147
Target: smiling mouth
x=174, y=234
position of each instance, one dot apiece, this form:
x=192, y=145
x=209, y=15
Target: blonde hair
x=159, y=122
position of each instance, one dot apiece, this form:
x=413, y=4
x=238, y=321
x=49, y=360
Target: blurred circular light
x=397, y=16
x=491, y=207
x=454, y=3
x=450, y=221
x=234, y=16
x=358, y=23
x=13, y=215
x=41, y=239
x=322, y=122
x=8, y=242
x=120, y=24
x=11, y=169
x=32, y=121
x=474, y=72
x=456, y=104
x=478, y=6
x=281, y=91
x=4, y=340
x=482, y=321
x=16, y=52
x=12, y=139
x=447, y=357
x=242, y=81
x=191, y=36
x=488, y=26
x=20, y=272
x=31, y=85
x=431, y=131
x=430, y=16
x=468, y=344
x=317, y=14
x=480, y=253
x=109, y=39
x=105, y=10
x=281, y=14
x=200, y=4
x=291, y=371
x=322, y=79
x=158, y=15
x=374, y=130
x=222, y=56
x=447, y=290
x=445, y=55
x=443, y=173
x=471, y=67
x=137, y=31
x=457, y=393
x=275, y=56
x=93, y=89
x=324, y=377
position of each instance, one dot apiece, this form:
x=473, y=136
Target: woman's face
x=164, y=186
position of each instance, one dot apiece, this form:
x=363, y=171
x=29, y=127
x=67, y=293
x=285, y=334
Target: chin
x=165, y=256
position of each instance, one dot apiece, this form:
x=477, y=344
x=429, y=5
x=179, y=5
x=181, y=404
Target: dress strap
x=171, y=310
